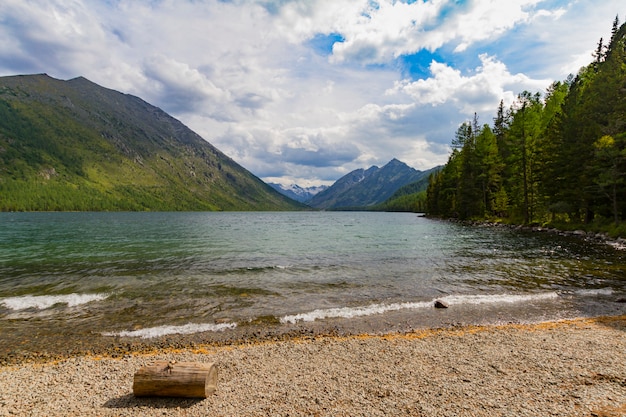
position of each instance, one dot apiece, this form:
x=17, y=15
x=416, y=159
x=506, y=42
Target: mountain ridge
x=365, y=188
x=75, y=146
x=296, y=192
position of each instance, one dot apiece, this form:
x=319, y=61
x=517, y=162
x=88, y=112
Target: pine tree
x=560, y=159
x=599, y=53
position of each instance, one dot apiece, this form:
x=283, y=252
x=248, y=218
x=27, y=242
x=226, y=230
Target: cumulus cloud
x=38, y=32
x=477, y=92
x=183, y=88
x=308, y=90
x=378, y=31
x=486, y=19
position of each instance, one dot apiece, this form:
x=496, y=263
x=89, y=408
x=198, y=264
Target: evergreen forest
x=554, y=159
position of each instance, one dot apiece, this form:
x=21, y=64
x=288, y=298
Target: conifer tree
x=562, y=158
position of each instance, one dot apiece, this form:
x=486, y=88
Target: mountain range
x=366, y=188
x=295, y=192
x=76, y=146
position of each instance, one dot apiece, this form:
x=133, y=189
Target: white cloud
x=379, y=31
x=388, y=31
x=246, y=76
x=479, y=92
x=183, y=87
x=489, y=18
x=35, y=32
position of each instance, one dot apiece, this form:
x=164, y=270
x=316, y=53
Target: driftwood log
x=175, y=379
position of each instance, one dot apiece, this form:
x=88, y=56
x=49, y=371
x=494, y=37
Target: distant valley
x=368, y=188
x=373, y=188
x=295, y=192
x=76, y=146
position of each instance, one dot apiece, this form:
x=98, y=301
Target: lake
x=135, y=276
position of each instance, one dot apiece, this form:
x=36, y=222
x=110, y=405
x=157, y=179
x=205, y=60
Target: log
x=175, y=379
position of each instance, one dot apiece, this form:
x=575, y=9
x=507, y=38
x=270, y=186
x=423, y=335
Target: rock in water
x=441, y=304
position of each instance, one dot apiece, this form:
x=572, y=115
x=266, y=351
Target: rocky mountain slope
x=364, y=188
x=74, y=145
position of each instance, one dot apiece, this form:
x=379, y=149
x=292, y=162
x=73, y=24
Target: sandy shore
x=569, y=368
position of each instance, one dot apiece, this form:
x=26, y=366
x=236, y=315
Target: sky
x=306, y=91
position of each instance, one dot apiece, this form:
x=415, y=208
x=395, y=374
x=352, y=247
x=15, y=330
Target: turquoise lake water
x=141, y=275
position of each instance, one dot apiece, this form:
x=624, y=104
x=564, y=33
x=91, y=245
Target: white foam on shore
x=190, y=328
x=497, y=298
x=43, y=302
x=596, y=291
x=351, y=312
x=619, y=245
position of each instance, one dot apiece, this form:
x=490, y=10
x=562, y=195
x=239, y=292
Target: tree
x=468, y=190
x=609, y=158
x=562, y=158
x=599, y=53
x=442, y=191
x=522, y=138
x=615, y=29
x=548, y=168
x=490, y=173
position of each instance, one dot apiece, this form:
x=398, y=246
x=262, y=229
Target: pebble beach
x=563, y=368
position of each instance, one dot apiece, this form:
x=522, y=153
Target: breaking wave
x=351, y=312
x=165, y=330
x=497, y=298
x=596, y=291
x=42, y=302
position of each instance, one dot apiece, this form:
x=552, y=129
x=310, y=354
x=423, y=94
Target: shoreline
x=618, y=242
x=565, y=367
x=30, y=343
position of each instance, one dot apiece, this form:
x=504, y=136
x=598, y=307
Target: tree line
x=557, y=158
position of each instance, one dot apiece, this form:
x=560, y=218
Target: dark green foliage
x=411, y=203
x=75, y=146
x=560, y=160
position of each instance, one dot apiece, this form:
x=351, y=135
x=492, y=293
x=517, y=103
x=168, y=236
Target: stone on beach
x=441, y=304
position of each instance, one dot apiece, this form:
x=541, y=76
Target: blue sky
x=305, y=91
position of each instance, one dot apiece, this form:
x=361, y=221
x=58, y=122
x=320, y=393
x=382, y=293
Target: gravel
x=568, y=368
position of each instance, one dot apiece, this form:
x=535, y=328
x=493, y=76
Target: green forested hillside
x=411, y=197
x=74, y=146
x=559, y=160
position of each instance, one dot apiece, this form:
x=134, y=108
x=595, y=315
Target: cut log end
x=175, y=379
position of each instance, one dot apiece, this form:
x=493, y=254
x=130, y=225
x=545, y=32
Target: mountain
x=410, y=197
x=74, y=145
x=364, y=188
x=417, y=186
x=295, y=192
